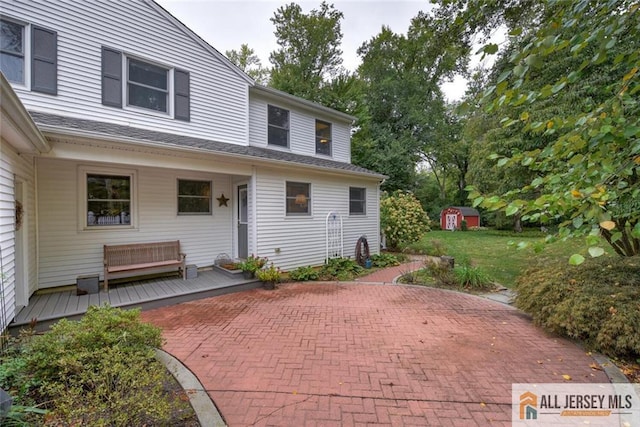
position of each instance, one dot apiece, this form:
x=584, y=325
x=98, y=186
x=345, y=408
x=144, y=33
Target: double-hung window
x=12, y=51
x=108, y=200
x=194, y=197
x=147, y=85
x=134, y=82
x=323, y=138
x=29, y=56
x=278, y=127
x=357, y=201
x=298, y=198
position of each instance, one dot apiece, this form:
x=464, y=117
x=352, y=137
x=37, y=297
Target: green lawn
x=491, y=252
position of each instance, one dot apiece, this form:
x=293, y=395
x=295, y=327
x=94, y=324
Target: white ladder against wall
x=334, y=235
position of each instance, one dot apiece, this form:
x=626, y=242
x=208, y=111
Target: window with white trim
x=129, y=81
x=12, y=51
x=29, y=56
x=109, y=200
x=194, y=197
x=278, y=126
x=147, y=85
x=357, y=201
x=298, y=198
x=323, y=138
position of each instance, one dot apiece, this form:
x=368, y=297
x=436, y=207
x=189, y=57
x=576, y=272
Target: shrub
x=98, y=371
x=402, y=219
x=340, y=269
x=303, y=274
x=463, y=225
x=597, y=302
x=384, y=260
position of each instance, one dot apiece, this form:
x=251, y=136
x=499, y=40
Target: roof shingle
x=91, y=127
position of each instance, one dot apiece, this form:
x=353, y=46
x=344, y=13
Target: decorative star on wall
x=222, y=201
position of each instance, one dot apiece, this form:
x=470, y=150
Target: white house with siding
x=121, y=125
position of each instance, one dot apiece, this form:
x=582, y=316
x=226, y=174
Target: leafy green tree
x=404, y=110
x=309, y=53
x=247, y=60
x=587, y=172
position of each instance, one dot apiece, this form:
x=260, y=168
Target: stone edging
x=201, y=403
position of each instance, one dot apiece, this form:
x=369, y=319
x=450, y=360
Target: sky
x=226, y=24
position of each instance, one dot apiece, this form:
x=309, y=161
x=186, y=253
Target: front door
x=451, y=221
x=243, y=219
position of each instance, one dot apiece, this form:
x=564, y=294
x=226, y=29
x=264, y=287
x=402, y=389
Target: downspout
x=380, y=234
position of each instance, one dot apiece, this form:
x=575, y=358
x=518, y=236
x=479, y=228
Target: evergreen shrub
x=597, y=302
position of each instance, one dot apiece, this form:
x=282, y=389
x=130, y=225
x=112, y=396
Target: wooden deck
x=47, y=308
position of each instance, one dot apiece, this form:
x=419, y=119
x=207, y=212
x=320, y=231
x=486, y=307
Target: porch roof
x=91, y=129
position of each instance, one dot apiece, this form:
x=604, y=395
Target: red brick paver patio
x=363, y=354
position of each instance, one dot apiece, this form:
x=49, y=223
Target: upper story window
x=357, y=201
x=144, y=85
x=147, y=85
x=298, y=198
x=278, y=119
x=29, y=56
x=12, y=51
x=194, y=197
x=323, y=138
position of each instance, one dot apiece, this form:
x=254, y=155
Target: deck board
x=55, y=305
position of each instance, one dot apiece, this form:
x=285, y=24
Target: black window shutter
x=111, y=77
x=181, y=88
x=44, y=60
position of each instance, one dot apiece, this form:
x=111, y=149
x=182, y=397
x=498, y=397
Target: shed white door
x=451, y=221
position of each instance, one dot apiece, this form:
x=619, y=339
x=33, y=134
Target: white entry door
x=451, y=221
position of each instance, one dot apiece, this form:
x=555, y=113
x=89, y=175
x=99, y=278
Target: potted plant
x=269, y=276
x=251, y=265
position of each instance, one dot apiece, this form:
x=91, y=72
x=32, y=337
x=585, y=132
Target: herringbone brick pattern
x=331, y=354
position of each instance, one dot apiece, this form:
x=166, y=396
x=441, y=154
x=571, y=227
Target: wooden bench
x=142, y=258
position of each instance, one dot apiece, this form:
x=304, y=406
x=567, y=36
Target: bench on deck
x=142, y=258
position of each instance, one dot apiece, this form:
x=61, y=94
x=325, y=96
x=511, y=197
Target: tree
x=404, y=111
x=587, y=174
x=247, y=60
x=309, y=55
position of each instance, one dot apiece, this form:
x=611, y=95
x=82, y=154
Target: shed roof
x=466, y=211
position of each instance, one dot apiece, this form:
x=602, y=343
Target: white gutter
x=302, y=102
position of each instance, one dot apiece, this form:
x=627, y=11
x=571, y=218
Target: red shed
x=451, y=217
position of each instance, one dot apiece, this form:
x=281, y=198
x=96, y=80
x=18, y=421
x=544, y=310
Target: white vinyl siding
x=302, y=129
x=67, y=251
x=14, y=168
x=218, y=94
x=7, y=243
x=294, y=241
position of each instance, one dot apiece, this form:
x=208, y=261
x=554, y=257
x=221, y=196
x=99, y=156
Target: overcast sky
x=225, y=24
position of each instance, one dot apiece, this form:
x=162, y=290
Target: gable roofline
x=465, y=210
x=195, y=37
x=301, y=102
x=16, y=123
x=69, y=127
